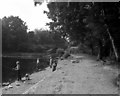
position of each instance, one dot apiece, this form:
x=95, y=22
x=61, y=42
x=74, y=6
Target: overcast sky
x=26, y=10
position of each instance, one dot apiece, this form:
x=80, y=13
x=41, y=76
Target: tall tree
x=86, y=22
x=14, y=33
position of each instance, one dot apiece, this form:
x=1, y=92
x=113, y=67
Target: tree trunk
x=99, y=57
x=92, y=50
x=113, y=45
x=112, y=41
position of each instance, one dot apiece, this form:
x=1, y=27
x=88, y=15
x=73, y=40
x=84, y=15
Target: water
x=27, y=66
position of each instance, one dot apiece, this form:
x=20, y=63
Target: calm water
x=27, y=66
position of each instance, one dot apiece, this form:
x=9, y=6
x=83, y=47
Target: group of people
x=52, y=64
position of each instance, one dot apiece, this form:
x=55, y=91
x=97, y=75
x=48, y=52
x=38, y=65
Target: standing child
x=50, y=62
x=17, y=68
x=54, y=65
x=37, y=63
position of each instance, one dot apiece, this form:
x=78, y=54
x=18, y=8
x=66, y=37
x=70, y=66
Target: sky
x=25, y=9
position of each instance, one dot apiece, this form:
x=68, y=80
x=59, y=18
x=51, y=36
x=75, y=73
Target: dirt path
x=86, y=77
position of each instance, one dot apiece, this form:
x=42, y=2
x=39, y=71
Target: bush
x=66, y=54
x=60, y=52
x=23, y=47
x=40, y=48
x=74, y=50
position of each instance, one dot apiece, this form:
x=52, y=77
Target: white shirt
x=50, y=61
x=18, y=67
x=37, y=60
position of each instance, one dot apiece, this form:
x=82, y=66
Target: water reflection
x=27, y=66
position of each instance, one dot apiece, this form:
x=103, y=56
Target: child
x=50, y=62
x=37, y=63
x=17, y=68
x=27, y=76
x=54, y=65
x=37, y=60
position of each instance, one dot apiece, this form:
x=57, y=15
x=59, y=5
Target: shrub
x=40, y=48
x=60, y=52
x=66, y=54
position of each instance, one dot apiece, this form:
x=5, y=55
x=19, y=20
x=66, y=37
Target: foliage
x=66, y=54
x=49, y=38
x=60, y=52
x=15, y=37
x=14, y=33
x=87, y=23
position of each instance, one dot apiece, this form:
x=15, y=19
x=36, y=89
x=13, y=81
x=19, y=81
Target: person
x=27, y=76
x=50, y=62
x=17, y=68
x=37, y=63
x=54, y=65
x=37, y=60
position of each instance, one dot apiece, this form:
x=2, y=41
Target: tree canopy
x=15, y=37
x=14, y=33
x=90, y=23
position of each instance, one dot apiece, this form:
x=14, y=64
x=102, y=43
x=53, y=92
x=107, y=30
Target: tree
x=106, y=17
x=86, y=22
x=45, y=37
x=14, y=33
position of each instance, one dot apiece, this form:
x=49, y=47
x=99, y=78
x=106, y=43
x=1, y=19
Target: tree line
x=17, y=38
x=91, y=24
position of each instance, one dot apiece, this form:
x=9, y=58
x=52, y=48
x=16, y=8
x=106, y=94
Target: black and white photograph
x=60, y=47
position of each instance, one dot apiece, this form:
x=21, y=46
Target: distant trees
x=15, y=37
x=48, y=38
